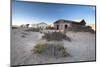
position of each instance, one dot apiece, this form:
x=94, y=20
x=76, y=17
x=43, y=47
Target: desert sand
x=81, y=48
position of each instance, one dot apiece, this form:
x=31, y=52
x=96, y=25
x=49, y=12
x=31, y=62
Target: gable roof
x=70, y=21
x=42, y=23
x=82, y=21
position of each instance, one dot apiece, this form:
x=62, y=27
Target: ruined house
x=68, y=24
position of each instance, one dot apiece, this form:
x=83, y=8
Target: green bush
x=39, y=48
x=50, y=50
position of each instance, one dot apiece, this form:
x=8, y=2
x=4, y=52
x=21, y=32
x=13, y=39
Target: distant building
x=39, y=25
x=42, y=25
x=34, y=25
x=67, y=24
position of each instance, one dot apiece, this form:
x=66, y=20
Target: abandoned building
x=68, y=25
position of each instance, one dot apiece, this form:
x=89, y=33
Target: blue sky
x=26, y=12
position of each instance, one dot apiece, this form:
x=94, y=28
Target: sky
x=32, y=12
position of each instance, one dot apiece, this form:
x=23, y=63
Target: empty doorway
x=57, y=27
x=66, y=26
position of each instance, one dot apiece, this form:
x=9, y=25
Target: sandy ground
x=81, y=48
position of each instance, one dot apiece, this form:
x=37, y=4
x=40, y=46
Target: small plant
x=39, y=48
x=92, y=31
x=63, y=50
x=23, y=36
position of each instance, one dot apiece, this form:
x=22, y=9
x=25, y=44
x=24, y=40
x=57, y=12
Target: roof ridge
x=67, y=21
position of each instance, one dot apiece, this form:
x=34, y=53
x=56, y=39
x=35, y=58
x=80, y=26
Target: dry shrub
x=33, y=30
x=23, y=36
x=82, y=29
x=58, y=36
x=14, y=27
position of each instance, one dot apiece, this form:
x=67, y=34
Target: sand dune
x=81, y=48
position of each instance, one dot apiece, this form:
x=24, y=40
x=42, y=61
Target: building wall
x=34, y=25
x=62, y=25
x=70, y=25
x=76, y=25
x=42, y=26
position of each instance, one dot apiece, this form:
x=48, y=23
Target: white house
x=34, y=25
x=42, y=25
